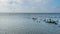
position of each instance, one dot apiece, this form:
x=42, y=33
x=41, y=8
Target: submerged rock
x=34, y=18
x=38, y=21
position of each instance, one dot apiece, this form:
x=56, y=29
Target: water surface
x=24, y=24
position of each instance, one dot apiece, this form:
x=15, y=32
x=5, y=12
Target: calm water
x=24, y=24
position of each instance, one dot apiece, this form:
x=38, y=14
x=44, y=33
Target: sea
x=23, y=23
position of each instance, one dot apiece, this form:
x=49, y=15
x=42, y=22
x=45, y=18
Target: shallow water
x=24, y=24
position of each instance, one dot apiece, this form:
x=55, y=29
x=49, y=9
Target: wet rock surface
x=50, y=21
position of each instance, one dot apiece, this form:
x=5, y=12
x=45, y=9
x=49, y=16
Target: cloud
x=55, y=9
x=25, y=6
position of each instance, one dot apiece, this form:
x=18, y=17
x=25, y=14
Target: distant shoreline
x=30, y=13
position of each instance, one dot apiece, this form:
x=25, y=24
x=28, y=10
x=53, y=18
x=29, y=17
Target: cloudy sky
x=29, y=6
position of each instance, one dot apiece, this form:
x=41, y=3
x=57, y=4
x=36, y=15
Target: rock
x=51, y=21
x=34, y=18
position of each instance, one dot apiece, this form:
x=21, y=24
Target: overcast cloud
x=30, y=6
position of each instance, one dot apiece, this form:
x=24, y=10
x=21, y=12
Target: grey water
x=22, y=23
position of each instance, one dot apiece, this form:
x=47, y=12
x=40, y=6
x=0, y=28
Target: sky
x=29, y=6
